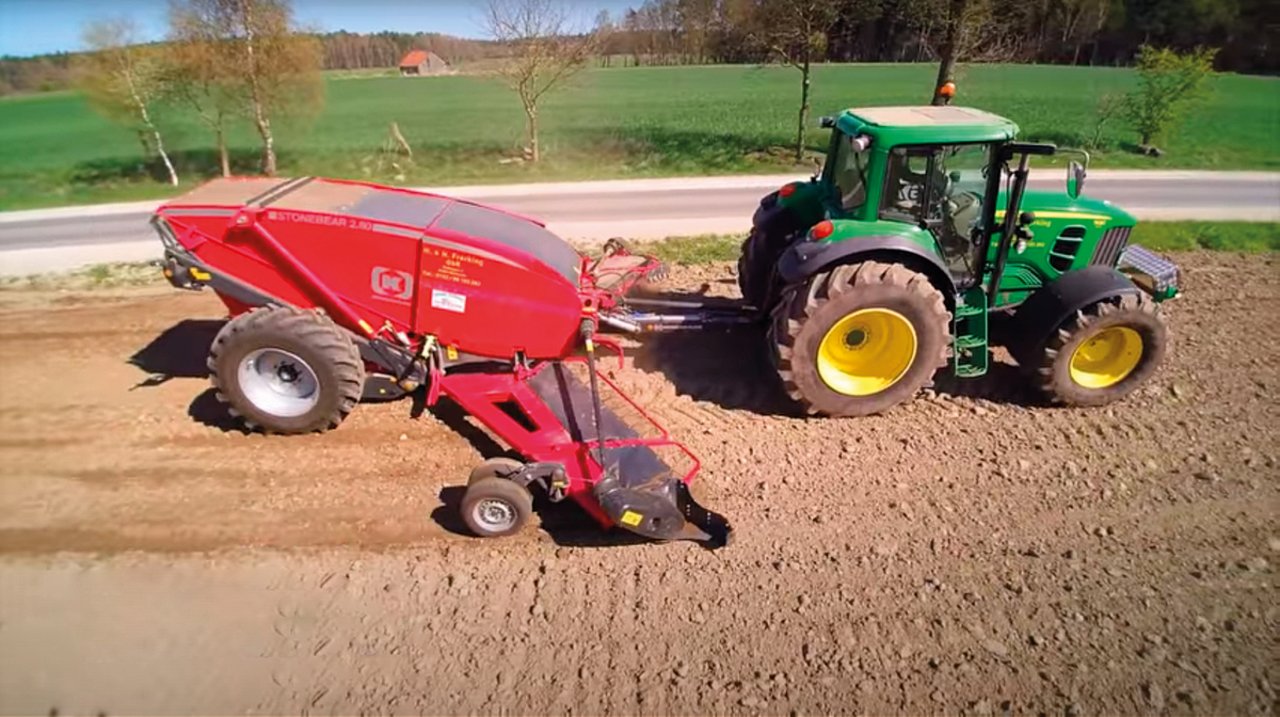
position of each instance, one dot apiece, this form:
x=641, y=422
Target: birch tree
x=202, y=69
x=278, y=67
x=124, y=82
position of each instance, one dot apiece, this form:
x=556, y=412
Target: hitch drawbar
x=653, y=315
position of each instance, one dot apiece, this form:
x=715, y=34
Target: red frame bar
x=480, y=394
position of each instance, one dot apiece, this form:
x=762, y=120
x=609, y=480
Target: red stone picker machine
x=341, y=290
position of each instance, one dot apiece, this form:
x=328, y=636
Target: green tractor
x=919, y=247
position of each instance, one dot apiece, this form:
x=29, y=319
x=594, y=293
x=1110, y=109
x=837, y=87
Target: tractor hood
x=1048, y=204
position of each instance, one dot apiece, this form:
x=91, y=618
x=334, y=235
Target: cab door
x=942, y=189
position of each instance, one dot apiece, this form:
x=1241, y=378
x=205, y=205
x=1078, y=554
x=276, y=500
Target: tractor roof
x=926, y=125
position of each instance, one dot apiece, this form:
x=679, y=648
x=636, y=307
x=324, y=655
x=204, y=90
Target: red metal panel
x=368, y=265
x=486, y=299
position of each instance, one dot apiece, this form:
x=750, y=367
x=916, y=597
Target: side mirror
x=1075, y=179
x=827, y=122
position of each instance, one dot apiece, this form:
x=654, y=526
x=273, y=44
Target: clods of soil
x=971, y=552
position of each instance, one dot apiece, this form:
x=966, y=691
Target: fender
x=1043, y=312
x=774, y=223
x=804, y=259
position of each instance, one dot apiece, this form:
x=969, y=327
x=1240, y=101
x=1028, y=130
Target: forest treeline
x=670, y=32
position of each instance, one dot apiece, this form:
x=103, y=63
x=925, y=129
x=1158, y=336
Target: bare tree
x=278, y=68
x=202, y=68
x=796, y=32
x=972, y=31
x=544, y=53
x=124, y=81
x=952, y=39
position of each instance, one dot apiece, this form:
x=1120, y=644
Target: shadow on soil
x=732, y=369
x=566, y=523
x=1003, y=384
x=180, y=352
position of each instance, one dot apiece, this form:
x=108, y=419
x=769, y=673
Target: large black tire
x=495, y=507
x=899, y=302
x=1103, y=352
x=317, y=370
x=748, y=281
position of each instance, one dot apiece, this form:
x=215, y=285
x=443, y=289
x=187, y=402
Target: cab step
x=970, y=355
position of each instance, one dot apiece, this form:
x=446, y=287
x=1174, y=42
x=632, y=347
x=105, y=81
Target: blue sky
x=29, y=27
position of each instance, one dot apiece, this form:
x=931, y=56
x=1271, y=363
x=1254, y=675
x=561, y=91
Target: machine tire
x=897, y=301
x=753, y=274
x=306, y=343
x=499, y=467
x=495, y=507
x=1114, y=325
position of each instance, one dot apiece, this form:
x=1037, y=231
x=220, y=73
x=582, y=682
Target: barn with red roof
x=419, y=63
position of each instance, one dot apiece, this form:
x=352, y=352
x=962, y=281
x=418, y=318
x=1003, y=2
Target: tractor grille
x=1107, y=253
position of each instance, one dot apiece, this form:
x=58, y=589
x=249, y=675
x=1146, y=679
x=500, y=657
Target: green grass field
x=620, y=122
x=1251, y=237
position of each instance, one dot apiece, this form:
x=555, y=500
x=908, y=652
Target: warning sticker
x=448, y=301
x=631, y=518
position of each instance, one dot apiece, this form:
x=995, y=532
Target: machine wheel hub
x=1106, y=358
x=279, y=382
x=866, y=352
x=496, y=515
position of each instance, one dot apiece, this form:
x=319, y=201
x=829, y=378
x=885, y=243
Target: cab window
x=940, y=188
x=849, y=173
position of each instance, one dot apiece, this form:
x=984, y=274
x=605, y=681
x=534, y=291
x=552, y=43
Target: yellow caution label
x=591, y=345
x=451, y=352
x=631, y=518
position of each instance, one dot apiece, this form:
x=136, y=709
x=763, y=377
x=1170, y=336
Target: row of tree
x=338, y=51
x=229, y=60
x=225, y=60
x=1107, y=32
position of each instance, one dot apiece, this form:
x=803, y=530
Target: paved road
x=65, y=238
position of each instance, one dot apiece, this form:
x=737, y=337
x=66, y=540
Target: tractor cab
x=935, y=169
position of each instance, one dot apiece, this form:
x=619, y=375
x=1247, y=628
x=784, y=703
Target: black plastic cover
x=520, y=234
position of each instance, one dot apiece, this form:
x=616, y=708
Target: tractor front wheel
x=860, y=338
x=286, y=370
x=1102, y=353
x=494, y=507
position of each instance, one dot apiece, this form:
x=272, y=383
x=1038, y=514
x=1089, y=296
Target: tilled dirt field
x=971, y=552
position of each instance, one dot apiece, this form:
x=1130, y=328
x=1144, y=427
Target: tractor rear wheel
x=282, y=369
x=1102, y=353
x=753, y=270
x=494, y=507
x=860, y=338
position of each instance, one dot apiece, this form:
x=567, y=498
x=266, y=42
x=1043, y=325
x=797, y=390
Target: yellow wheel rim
x=1106, y=358
x=866, y=352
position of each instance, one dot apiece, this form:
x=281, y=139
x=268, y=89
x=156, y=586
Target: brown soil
x=971, y=552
